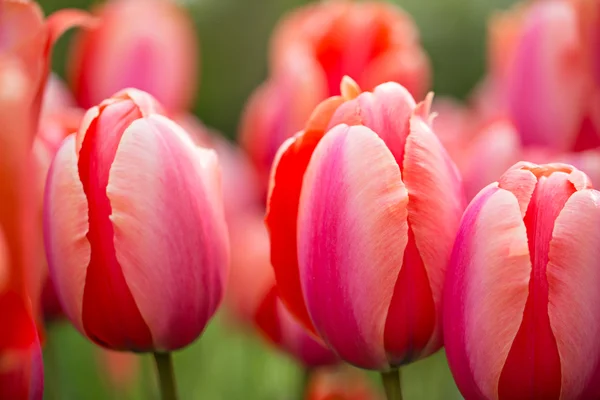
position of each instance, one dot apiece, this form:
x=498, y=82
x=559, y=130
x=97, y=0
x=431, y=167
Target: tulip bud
x=521, y=290
x=363, y=209
x=134, y=228
x=312, y=49
x=150, y=45
x=253, y=299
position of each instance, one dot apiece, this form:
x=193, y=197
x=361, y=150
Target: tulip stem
x=391, y=384
x=166, y=376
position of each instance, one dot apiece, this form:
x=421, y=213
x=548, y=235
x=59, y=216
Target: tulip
x=253, y=299
x=363, y=209
x=519, y=317
x=135, y=232
x=21, y=372
x=312, y=49
x=28, y=39
x=148, y=45
x=541, y=77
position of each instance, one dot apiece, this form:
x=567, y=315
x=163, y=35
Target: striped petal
x=65, y=231
x=352, y=231
x=573, y=297
x=285, y=185
x=170, y=234
x=481, y=317
x=434, y=211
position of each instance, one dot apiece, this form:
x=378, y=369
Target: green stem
x=391, y=384
x=166, y=376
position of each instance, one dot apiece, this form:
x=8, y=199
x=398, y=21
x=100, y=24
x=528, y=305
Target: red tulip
x=145, y=44
x=521, y=291
x=341, y=384
x=252, y=295
x=134, y=227
x=312, y=49
x=362, y=212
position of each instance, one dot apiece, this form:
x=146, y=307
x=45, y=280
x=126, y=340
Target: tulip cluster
x=343, y=215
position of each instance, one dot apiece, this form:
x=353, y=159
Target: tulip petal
x=386, y=111
x=285, y=185
x=110, y=315
x=533, y=363
x=352, y=231
x=573, y=296
x=170, y=233
x=65, y=231
x=62, y=20
x=476, y=349
x=300, y=343
x=434, y=211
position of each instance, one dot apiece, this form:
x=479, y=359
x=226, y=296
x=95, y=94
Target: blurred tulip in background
x=149, y=45
x=372, y=42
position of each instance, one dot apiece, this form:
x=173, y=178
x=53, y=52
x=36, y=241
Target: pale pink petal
x=482, y=317
x=573, y=297
x=386, y=111
x=65, y=230
x=170, y=234
x=434, y=210
x=546, y=82
x=352, y=231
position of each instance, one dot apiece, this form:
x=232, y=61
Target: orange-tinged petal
x=285, y=186
x=573, y=295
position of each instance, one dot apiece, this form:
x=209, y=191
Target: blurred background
x=227, y=363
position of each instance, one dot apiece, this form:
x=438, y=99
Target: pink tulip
x=146, y=44
x=253, y=299
x=541, y=76
x=547, y=82
x=363, y=210
x=134, y=227
x=521, y=289
x=312, y=49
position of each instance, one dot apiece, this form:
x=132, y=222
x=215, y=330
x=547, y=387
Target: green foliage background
x=226, y=363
